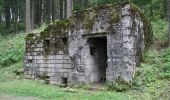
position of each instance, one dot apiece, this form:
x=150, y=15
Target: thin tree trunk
x=18, y=11
x=28, y=16
x=32, y=14
x=168, y=12
x=14, y=15
x=42, y=11
x=7, y=13
x=53, y=13
x=38, y=12
x=61, y=9
x=69, y=8
x=48, y=10
x=0, y=18
x=85, y=3
x=80, y=4
x=64, y=9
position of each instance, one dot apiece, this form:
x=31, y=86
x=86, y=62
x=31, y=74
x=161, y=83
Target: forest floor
x=152, y=82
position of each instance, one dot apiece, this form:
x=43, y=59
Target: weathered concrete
x=95, y=45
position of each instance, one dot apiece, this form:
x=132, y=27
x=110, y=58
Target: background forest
x=17, y=17
x=13, y=13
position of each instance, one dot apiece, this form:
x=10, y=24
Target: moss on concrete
x=58, y=28
x=148, y=34
x=115, y=16
x=86, y=19
x=29, y=36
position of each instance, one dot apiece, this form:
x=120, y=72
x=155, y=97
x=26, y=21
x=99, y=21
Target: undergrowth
x=156, y=60
x=11, y=49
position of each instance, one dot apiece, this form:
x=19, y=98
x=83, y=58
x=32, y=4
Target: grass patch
x=49, y=92
x=11, y=49
x=10, y=73
x=158, y=90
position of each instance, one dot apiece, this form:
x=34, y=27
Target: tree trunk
x=14, y=6
x=53, y=11
x=38, y=12
x=42, y=11
x=61, y=9
x=64, y=8
x=7, y=13
x=48, y=10
x=32, y=14
x=0, y=18
x=28, y=16
x=85, y=3
x=69, y=8
x=168, y=12
x=18, y=11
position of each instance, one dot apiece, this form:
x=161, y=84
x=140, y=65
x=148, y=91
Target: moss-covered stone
x=147, y=27
x=58, y=28
x=86, y=19
x=115, y=16
x=29, y=36
x=120, y=34
x=89, y=20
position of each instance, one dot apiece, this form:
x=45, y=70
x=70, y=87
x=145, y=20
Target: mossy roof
x=59, y=28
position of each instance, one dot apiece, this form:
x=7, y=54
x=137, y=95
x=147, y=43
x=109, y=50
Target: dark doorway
x=98, y=58
x=64, y=82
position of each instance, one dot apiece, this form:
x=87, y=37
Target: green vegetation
x=120, y=85
x=11, y=49
x=151, y=82
x=48, y=92
x=11, y=56
x=160, y=29
x=155, y=63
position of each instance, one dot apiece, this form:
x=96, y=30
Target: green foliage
x=82, y=86
x=11, y=49
x=145, y=76
x=118, y=86
x=160, y=29
x=156, y=60
x=165, y=70
x=103, y=2
x=12, y=72
x=56, y=28
x=115, y=16
x=49, y=92
x=154, y=9
x=40, y=29
x=156, y=66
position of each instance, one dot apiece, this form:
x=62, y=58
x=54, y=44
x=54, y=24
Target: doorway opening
x=98, y=58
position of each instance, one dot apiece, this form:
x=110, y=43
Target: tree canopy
x=13, y=13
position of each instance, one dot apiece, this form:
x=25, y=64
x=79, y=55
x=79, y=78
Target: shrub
x=119, y=85
x=11, y=49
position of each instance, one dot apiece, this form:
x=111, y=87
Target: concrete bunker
x=95, y=45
